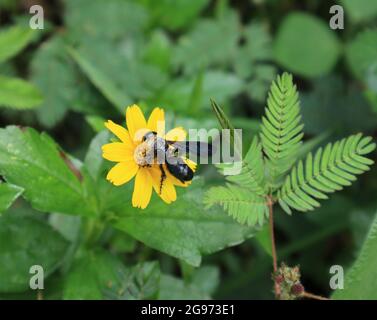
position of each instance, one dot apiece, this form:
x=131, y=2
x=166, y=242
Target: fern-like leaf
x=331, y=168
x=136, y=283
x=244, y=198
x=244, y=206
x=252, y=174
x=281, y=132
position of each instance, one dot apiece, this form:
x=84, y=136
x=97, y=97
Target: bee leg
x=163, y=177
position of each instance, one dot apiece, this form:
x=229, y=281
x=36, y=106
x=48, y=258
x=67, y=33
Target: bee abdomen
x=181, y=171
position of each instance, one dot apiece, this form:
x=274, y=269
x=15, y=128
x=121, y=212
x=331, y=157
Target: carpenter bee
x=172, y=154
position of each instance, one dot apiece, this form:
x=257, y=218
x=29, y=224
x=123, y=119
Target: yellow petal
x=142, y=189
x=122, y=172
x=119, y=131
x=176, y=134
x=156, y=121
x=135, y=122
x=167, y=192
x=118, y=152
x=191, y=164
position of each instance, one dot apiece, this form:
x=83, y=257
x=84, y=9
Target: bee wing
x=196, y=148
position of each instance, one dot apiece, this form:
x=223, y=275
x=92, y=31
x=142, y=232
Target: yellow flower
x=127, y=154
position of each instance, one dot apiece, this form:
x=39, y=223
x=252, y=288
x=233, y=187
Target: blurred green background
x=95, y=57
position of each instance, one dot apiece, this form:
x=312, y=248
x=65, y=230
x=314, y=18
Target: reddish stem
x=313, y=296
x=273, y=246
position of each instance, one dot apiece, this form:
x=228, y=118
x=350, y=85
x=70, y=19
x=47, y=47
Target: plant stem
x=313, y=296
x=273, y=246
x=39, y=295
x=277, y=288
x=93, y=229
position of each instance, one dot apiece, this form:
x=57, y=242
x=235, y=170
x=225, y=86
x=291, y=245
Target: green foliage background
x=94, y=57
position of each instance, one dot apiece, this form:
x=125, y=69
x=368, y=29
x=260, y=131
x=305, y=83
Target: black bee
x=171, y=153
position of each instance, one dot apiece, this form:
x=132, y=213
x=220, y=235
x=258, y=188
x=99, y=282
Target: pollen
x=143, y=155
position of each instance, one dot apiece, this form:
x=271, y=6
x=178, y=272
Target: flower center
x=143, y=155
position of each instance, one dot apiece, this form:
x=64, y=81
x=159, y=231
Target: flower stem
x=273, y=246
x=313, y=296
x=277, y=287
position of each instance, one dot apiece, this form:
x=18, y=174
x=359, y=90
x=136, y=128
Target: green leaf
x=196, y=95
x=244, y=206
x=8, y=194
x=158, y=51
x=121, y=242
x=174, y=14
x=34, y=162
x=181, y=229
x=18, y=94
x=25, y=242
x=91, y=274
x=226, y=124
x=123, y=19
x=222, y=85
x=360, y=10
x=251, y=61
x=264, y=239
x=104, y=83
x=222, y=118
x=137, y=283
x=306, y=45
x=245, y=198
x=217, y=38
x=68, y=226
x=257, y=85
x=336, y=107
x=257, y=47
x=252, y=173
x=206, y=279
x=63, y=88
x=361, y=279
x=281, y=131
x=94, y=162
x=175, y=289
x=96, y=123
x=8, y=69
x=8, y=5
x=329, y=170
x=361, y=53
x=136, y=80
x=13, y=40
